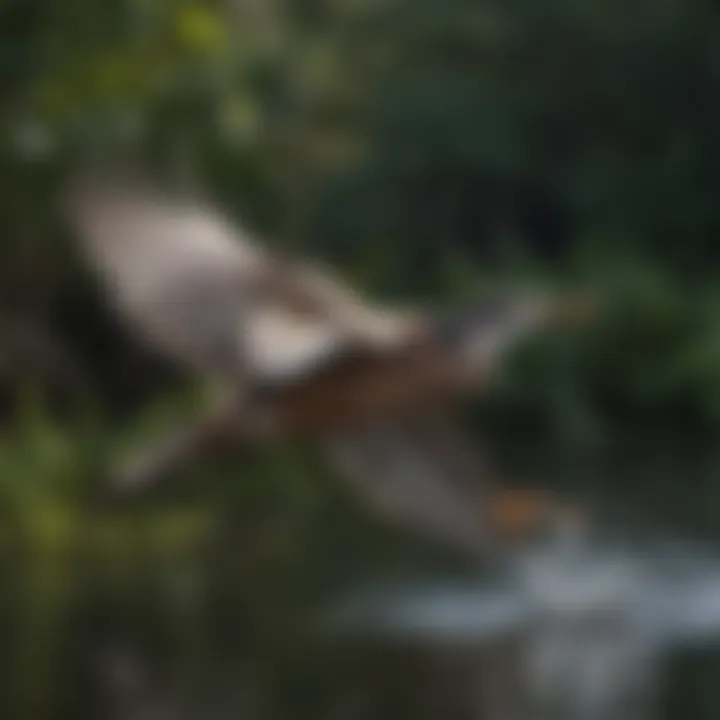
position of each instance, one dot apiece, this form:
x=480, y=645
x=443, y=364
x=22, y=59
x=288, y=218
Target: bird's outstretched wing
x=423, y=472
x=200, y=290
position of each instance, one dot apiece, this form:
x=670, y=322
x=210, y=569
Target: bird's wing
x=199, y=289
x=423, y=472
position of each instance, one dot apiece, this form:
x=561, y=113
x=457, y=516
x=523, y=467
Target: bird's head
x=479, y=336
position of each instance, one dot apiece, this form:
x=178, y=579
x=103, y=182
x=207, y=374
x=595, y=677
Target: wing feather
x=422, y=471
x=203, y=292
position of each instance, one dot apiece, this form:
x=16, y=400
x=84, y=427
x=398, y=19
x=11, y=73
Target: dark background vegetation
x=426, y=147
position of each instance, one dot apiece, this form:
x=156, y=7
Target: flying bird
x=298, y=352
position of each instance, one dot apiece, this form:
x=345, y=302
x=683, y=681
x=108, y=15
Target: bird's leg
x=233, y=419
x=236, y=416
x=158, y=461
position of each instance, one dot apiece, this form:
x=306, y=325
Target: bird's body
x=317, y=358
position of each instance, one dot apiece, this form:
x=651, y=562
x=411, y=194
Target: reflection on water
x=592, y=620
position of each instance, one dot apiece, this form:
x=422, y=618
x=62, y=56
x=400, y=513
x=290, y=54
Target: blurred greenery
x=427, y=148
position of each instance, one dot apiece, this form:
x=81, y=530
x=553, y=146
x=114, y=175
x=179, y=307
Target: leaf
x=199, y=29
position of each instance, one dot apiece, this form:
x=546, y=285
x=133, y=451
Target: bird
x=295, y=351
